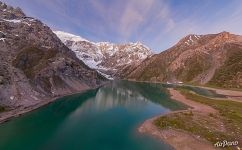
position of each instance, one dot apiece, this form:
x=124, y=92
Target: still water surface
x=103, y=119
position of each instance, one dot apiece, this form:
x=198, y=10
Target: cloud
x=165, y=16
x=129, y=17
x=157, y=23
x=205, y=19
x=135, y=13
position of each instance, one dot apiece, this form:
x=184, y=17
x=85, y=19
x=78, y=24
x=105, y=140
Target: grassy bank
x=226, y=125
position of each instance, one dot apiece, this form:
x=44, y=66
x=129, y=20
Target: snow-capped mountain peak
x=105, y=57
x=64, y=36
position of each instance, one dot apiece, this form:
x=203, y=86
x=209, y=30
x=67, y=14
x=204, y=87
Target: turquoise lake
x=103, y=119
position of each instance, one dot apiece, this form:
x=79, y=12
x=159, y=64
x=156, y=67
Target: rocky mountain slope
x=108, y=58
x=35, y=65
x=213, y=59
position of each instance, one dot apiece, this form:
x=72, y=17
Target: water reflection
x=106, y=118
x=127, y=95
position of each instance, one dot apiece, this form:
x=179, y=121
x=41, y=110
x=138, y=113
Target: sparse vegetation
x=194, y=67
x=32, y=60
x=209, y=126
x=187, y=122
x=229, y=75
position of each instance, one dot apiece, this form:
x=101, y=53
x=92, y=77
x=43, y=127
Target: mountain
x=213, y=59
x=108, y=58
x=35, y=65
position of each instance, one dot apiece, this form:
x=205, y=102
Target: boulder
x=2, y=35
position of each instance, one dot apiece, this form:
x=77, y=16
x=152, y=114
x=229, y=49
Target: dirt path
x=195, y=105
x=226, y=92
x=178, y=139
x=230, y=94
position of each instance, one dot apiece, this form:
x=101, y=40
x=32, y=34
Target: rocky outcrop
x=35, y=65
x=213, y=59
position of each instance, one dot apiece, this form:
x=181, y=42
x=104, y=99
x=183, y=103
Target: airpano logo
x=226, y=143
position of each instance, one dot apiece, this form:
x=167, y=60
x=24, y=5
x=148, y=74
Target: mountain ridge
x=191, y=61
x=106, y=57
x=35, y=65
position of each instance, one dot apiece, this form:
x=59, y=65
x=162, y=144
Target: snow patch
x=205, y=52
x=19, y=21
x=13, y=20
x=64, y=36
x=29, y=24
x=2, y=39
x=105, y=75
x=47, y=47
x=190, y=38
x=12, y=97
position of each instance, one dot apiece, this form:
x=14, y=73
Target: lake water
x=103, y=119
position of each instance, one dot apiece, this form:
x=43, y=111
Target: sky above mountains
x=158, y=24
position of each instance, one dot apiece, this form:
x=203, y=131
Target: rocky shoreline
x=8, y=115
